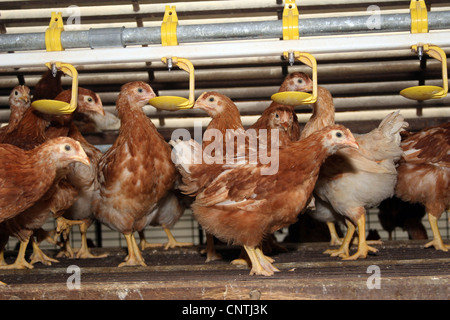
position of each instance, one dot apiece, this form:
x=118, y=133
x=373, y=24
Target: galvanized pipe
x=122, y=37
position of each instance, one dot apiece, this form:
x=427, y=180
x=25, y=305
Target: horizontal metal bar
x=229, y=49
x=121, y=37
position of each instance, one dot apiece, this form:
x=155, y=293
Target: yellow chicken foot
x=63, y=226
x=134, y=257
x=2, y=258
x=172, y=242
x=2, y=283
x=143, y=244
x=39, y=256
x=335, y=239
x=20, y=262
x=211, y=254
x=363, y=247
x=343, y=250
x=266, y=262
x=243, y=259
x=84, y=252
x=257, y=267
x=437, y=242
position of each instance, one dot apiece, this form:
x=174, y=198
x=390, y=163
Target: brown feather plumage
x=137, y=171
x=28, y=175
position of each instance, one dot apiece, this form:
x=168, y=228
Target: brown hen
x=242, y=204
x=225, y=122
x=36, y=128
x=136, y=172
x=19, y=102
x=27, y=176
x=424, y=175
x=49, y=86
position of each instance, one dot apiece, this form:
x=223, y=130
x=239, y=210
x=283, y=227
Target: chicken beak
x=81, y=156
x=83, y=159
x=202, y=106
x=26, y=99
x=285, y=126
x=351, y=142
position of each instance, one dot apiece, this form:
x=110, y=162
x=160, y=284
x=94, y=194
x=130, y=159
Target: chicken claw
x=363, y=250
x=84, y=252
x=3, y=284
x=343, y=251
x=172, y=242
x=39, y=256
x=134, y=257
x=260, y=263
x=437, y=242
x=20, y=262
x=363, y=247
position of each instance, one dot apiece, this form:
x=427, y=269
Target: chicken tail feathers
x=392, y=125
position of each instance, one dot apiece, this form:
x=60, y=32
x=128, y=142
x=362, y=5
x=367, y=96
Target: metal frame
x=122, y=37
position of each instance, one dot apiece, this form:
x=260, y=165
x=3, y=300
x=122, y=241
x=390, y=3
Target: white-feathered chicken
x=355, y=179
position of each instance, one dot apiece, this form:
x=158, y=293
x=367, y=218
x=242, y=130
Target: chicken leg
x=63, y=226
x=363, y=247
x=39, y=256
x=343, y=250
x=261, y=265
x=172, y=242
x=84, y=252
x=134, y=257
x=437, y=242
x=335, y=239
x=211, y=254
x=20, y=262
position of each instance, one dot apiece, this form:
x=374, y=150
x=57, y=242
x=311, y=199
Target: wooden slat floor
x=406, y=271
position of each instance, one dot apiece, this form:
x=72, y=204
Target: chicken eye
x=90, y=99
x=211, y=99
x=300, y=81
x=67, y=147
x=276, y=116
x=339, y=134
x=140, y=90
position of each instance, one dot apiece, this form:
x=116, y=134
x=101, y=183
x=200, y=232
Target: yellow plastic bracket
x=173, y=103
x=56, y=106
x=53, y=33
x=419, y=16
x=295, y=98
x=169, y=27
x=290, y=21
x=421, y=93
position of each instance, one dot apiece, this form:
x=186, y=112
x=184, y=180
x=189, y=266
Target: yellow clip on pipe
x=295, y=98
x=290, y=21
x=169, y=27
x=421, y=93
x=419, y=16
x=173, y=103
x=55, y=106
x=53, y=33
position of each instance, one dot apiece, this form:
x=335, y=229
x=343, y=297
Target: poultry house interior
x=366, y=53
